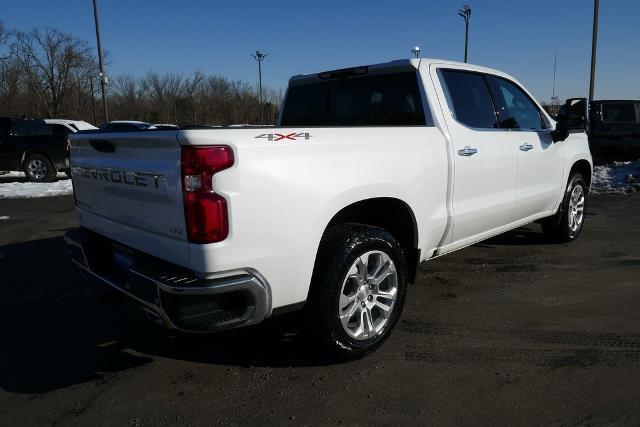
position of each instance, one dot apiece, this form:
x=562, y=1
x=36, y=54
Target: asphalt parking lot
x=510, y=331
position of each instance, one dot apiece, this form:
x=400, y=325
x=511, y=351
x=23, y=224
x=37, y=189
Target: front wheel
x=567, y=223
x=358, y=290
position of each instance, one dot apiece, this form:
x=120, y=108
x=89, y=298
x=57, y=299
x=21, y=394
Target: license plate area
x=122, y=258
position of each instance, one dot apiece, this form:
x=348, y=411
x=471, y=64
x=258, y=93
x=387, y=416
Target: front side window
x=514, y=108
x=619, y=112
x=376, y=100
x=469, y=98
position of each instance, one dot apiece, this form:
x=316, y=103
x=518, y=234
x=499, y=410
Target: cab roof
x=385, y=68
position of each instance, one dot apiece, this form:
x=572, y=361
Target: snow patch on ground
x=616, y=177
x=14, y=185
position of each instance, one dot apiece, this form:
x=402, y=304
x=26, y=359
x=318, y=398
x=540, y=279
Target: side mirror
x=574, y=115
x=561, y=132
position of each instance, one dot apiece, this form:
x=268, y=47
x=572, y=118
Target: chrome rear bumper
x=171, y=295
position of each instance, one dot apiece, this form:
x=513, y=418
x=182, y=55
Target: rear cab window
x=392, y=99
x=58, y=129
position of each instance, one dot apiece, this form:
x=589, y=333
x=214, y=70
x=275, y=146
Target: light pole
x=555, y=66
x=93, y=100
x=416, y=51
x=554, y=98
x=594, y=45
x=259, y=57
x=465, y=12
x=103, y=78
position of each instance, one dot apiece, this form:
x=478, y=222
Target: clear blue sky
x=518, y=37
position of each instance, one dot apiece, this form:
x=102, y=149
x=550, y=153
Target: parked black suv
x=27, y=145
x=614, y=127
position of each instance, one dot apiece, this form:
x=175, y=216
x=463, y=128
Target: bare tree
x=46, y=72
x=52, y=62
x=13, y=96
x=127, y=98
x=4, y=36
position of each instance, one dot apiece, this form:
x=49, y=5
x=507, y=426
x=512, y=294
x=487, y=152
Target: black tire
x=557, y=227
x=39, y=169
x=339, y=250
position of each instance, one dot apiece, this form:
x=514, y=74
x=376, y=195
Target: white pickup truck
x=370, y=171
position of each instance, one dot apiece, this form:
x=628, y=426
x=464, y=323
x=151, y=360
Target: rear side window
x=514, y=108
x=378, y=100
x=619, y=112
x=30, y=128
x=470, y=99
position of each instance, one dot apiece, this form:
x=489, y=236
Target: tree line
x=48, y=73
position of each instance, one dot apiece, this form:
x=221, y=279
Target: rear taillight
x=205, y=211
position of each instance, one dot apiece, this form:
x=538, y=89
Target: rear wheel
x=39, y=169
x=567, y=223
x=358, y=290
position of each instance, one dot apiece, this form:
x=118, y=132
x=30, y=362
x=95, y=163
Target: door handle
x=467, y=151
x=526, y=147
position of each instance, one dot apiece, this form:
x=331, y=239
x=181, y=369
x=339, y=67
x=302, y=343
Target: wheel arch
x=28, y=153
x=583, y=167
x=392, y=214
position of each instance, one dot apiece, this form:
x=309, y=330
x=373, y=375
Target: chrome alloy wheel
x=37, y=169
x=368, y=295
x=576, y=208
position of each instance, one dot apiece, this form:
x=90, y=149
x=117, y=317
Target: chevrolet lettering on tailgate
x=118, y=176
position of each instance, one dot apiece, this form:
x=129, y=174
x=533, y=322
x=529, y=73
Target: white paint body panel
x=484, y=190
x=282, y=194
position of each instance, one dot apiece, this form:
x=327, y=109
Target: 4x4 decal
x=294, y=136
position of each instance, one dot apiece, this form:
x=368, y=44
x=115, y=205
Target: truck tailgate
x=131, y=181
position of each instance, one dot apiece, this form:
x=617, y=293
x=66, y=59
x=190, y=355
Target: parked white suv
x=370, y=171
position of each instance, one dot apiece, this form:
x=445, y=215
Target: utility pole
x=93, y=100
x=416, y=51
x=259, y=57
x=594, y=45
x=465, y=12
x=103, y=78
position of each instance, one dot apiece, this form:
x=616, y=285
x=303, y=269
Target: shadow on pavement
x=60, y=330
